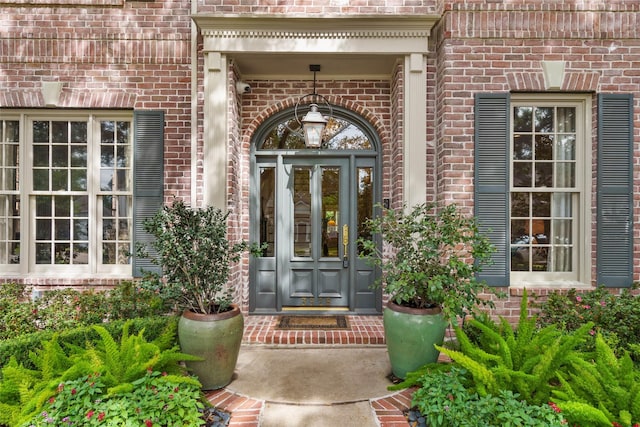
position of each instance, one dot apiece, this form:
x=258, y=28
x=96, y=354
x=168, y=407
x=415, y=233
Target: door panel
x=317, y=194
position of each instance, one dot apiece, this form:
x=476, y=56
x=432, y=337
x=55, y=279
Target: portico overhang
x=282, y=47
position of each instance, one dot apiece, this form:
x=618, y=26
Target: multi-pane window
x=60, y=190
x=115, y=190
x=545, y=191
x=9, y=192
x=76, y=178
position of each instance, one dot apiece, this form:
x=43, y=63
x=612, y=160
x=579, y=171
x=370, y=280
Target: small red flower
x=101, y=416
x=73, y=391
x=148, y=423
x=579, y=298
x=175, y=389
x=90, y=414
x=555, y=407
x=615, y=424
x=51, y=400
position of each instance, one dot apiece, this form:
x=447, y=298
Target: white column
x=215, y=131
x=415, y=130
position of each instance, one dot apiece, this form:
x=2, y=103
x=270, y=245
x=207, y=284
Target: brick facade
x=142, y=55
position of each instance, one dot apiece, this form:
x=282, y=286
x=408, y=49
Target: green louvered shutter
x=492, y=181
x=615, y=190
x=148, y=179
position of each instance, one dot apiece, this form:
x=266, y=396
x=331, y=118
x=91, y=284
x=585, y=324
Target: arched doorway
x=307, y=208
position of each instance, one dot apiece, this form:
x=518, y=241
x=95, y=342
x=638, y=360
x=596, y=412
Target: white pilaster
x=215, y=131
x=415, y=130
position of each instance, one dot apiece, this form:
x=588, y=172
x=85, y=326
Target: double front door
x=311, y=214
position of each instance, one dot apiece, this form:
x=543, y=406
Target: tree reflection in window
x=340, y=134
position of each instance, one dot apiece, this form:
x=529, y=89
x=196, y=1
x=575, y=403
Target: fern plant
x=600, y=392
x=24, y=392
x=120, y=364
x=525, y=360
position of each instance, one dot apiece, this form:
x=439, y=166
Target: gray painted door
x=315, y=233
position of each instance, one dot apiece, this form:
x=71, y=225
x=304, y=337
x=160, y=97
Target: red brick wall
x=131, y=55
x=109, y=54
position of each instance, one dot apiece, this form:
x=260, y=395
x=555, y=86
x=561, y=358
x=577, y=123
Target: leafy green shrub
x=16, y=311
x=24, y=392
x=128, y=301
x=196, y=257
x=526, y=360
x=600, y=392
x=22, y=346
x=444, y=400
x=62, y=309
x=616, y=317
x=430, y=267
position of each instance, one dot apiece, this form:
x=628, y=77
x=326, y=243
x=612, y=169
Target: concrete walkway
x=313, y=378
x=323, y=386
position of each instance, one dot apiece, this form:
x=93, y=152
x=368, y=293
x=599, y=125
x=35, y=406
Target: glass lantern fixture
x=313, y=123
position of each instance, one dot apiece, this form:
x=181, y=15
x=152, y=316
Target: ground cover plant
x=107, y=376
x=445, y=398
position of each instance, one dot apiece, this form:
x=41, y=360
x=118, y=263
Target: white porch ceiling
x=281, y=66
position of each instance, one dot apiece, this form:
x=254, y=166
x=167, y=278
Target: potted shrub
x=432, y=255
x=195, y=257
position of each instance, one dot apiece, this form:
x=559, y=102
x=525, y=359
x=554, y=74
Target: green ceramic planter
x=216, y=338
x=411, y=334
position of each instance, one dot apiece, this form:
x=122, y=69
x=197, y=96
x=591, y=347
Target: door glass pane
x=330, y=211
x=302, y=211
x=267, y=210
x=365, y=201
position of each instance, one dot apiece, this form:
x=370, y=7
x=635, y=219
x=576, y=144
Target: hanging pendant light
x=313, y=123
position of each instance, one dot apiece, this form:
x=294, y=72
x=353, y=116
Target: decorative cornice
x=345, y=34
x=345, y=27
x=312, y=34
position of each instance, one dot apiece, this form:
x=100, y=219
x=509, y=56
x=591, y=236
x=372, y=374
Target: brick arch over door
x=369, y=116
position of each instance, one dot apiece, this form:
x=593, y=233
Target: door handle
x=345, y=244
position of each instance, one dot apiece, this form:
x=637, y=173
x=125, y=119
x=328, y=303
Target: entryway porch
x=343, y=383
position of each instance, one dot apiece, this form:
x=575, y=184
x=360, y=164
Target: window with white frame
x=548, y=194
x=74, y=171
